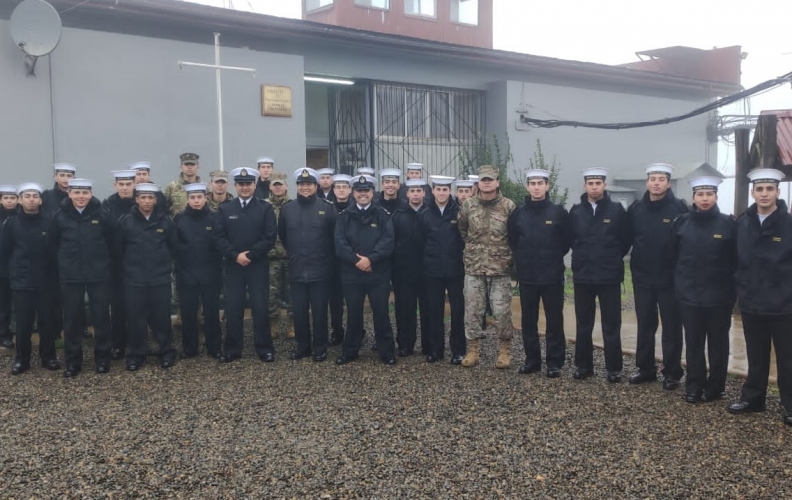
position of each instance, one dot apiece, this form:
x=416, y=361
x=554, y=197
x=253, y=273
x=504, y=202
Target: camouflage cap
x=218, y=175
x=278, y=178
x=488, y=172
x=188, y=158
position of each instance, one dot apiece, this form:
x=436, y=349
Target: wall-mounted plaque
x=276, y=100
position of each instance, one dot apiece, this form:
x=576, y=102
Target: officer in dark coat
x=325, y=189
x=306, y=228
x=117, y=205
x=764, y=292
x=148, y=244
x=245, y=231
x=703, y=245
x=538, y=234
x=364, y=246
x=442, y=250
x=342, y=193
x=199, y=271
x=8, y=208
x=32, y=277
x=408, y=278
x=81, y=235
x=652, y=268
x=265, y=166
x=600, y=238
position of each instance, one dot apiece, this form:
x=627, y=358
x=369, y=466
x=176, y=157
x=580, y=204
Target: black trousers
x=29, y=304
x=710, y=326
x=552, y=297
x=5, y=309
x=610, y=317
x=336, y=302
x=355, y=295
x=254, y=279
x=209, y=297
x=73, y=301
x=118, y=316
x=647, y=303
x=304, y=297
x=146, y=303
x=409, y=296
x=760, y=331
x=436, y=289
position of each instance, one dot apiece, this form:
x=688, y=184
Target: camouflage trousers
x=279, y=289
x=481, y=290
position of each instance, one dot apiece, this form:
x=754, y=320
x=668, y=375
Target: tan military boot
x=472, y=357
x=290, y=332
x=504, y=354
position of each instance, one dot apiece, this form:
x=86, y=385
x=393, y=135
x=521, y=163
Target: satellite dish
x=36, y=29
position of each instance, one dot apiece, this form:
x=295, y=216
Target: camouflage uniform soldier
x=278, y=261
x=217, y=191
x=483, y=223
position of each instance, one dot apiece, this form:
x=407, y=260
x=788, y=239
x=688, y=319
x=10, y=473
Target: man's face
x=463, y=193
x=390, y=186
x=595, y=188
x=341, y=191
x=765, y=194
x=146, y=202
x=62, y=177
x=124, y=187
x=80, y=197
x=245, y=189
x=705, y=199
x=142, y=175
x=414, y=174
x=488, y=185
x=265, y=170
x=441, y=194
x=658, y=184
x=363, y=196
x=415, y=195
x=219, y=187
x=306, y=189
x=9, y=201
x=278, y=189
x=537, y=189
x=30, y=201
x=189, y=169
x=326, y=181
x=196, y=201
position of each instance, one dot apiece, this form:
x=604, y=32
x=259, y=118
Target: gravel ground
x=365, y=430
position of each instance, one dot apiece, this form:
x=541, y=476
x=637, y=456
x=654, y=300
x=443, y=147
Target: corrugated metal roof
x=784, y=131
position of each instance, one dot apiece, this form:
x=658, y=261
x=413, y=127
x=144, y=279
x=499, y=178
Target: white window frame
x=368, y=4
x=320, y=4
x=418, y=12
x=455, y=9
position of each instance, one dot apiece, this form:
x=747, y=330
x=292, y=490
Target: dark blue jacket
x=83, y=242
x=443, y=246
x=408, y=249
x=147, y=247
x=599, y=241
x=198, y=262
x=252, y=229
x=30, y=257
x=368, y=233
x=306, y=228
x=538, y=235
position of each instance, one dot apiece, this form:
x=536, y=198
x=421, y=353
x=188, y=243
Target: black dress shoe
x=642, y=377
x=188, y=355
x=229, y=358
x=553, y=372
x=692, y=397
x=614, y=377
x=527, y=369
x=7, y=343
x=318, y=358
x=403, y=353
x=788, y=418
x=344, y=359
x=295, y=355
x=103, y=368
x=167, y=363
x=267, y=357
x=19, y=367
x=71, y=371
x=390, y=361
x=741, y=407
x=670, y=384
x=133, y=366
x=456, y=359
x=51, y=364
x=432, y=358
x=117, y=354
x=582, y=374
x=709, y=397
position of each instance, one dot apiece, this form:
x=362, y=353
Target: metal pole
x=219, y=99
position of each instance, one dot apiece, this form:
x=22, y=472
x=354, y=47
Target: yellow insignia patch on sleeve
x=94, y=221
x=717, y=236
x=373, y=224
x=606, y=221
x=208, y=228
x=548, y=222
x=321, y=212
x=666, y=221
x=160, y=230
x=776, y=238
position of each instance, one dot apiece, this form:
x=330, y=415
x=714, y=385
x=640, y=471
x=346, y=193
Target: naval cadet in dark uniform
x=600, y=238
x=306, y=228
x=32, y=278
x=764, y=292
x=539, y=237
x=652, y=268
x=245, y=231
x=147, y=242
x=364, y=246
x=703, y=244
x=81, y=234
x=342, y=193
x=199, y=272
x=265, y=166
x=8, y=208
x=325, y=189
x=390, y=182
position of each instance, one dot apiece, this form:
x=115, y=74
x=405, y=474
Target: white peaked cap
x=660, y=168
x=706, y=182
x=537, y=173
x=81, y=183
x=765, y=175
x=29, y=186
x=596, y=172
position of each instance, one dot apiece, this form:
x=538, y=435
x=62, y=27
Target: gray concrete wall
x=120, y=98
